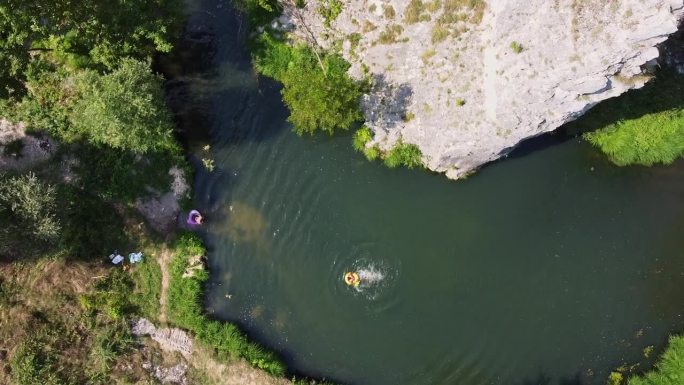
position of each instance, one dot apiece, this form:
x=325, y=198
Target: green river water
x=551, y=267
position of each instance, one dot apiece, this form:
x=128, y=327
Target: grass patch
x=389, y=12
x=147, y=282
x=391, y=34
x=91, y=227
x=121, y=175
x=57, y=335
x=354, y=40
x=439, y=33
x=404, y=154
x=470, y=10
x=427, y=55
x=416, y=12
x=32, y=363
x=644, y=127
x=185, y=310
x=368, y=27
x=330, y=9
x=455, y=16
x=670, y=368
x=516, y=47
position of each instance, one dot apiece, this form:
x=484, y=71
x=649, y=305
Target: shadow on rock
x=386, y=106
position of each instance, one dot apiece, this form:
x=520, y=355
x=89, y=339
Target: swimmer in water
x=195, y=218
x=352, y=279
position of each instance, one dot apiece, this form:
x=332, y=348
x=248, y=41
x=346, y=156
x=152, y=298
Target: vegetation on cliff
x=402, y=154
x=643, y=127
x=316, y=87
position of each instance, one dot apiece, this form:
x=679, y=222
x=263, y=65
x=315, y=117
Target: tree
x=28, y=220
x=86, y=33
x=96, y=31
x=124, y=109
x=320, y=100
x=320, y=96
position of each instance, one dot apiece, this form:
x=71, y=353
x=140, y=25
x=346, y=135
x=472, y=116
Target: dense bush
x=82, y=33
x=647, y=140
x=185, y=310
x=362, y=136
x=319, y=94
x=124, y=109
x=28, y=219
x=47, y=104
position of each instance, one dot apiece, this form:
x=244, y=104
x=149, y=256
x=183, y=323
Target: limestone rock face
x=170, y=339
x=468, y=80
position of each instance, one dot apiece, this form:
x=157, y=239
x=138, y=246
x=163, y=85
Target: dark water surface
x=548, y=268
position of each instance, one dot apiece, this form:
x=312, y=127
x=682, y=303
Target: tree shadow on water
x=212, y=89
x=574, y=380
x=540, y=379
x=543, y=379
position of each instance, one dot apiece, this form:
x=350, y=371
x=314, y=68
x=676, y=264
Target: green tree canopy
x=124, y=109
x=85, y=33
x=319, y=94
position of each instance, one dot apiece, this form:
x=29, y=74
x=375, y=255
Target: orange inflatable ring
x=352, y=278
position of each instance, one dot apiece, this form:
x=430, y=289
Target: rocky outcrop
x=161, y=210
x=468, y=80
x=170, y=339
x=20, y=150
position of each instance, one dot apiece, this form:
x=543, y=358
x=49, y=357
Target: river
x=549, y=267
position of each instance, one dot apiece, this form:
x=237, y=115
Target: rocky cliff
x=466, y=80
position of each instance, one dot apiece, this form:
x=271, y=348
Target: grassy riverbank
x=669, y=369
x=185, y=310
x=87, y=143
x=642, y=127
